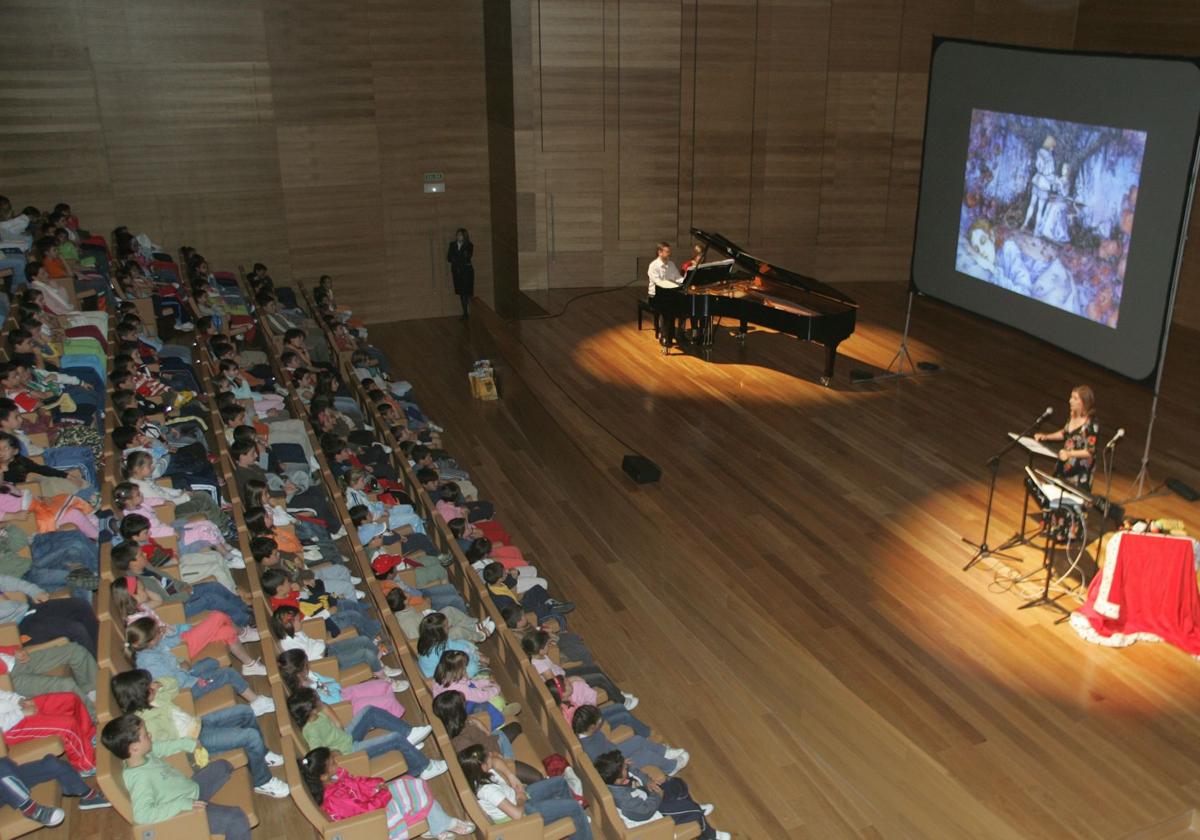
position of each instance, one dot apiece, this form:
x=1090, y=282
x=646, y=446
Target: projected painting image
x=1048, y=210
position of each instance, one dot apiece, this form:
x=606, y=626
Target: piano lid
x=756, y=267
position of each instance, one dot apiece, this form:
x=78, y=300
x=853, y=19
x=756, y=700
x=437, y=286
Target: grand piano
x=743, y=288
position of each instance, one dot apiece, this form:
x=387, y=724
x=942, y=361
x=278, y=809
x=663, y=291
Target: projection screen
x=1053, y=193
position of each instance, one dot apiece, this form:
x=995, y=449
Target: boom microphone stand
x=1108, y=460
x=982, y=549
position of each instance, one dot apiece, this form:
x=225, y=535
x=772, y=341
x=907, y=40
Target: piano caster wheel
x=825, y=380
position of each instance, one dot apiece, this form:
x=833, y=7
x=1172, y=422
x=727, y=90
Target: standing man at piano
x=665, y=297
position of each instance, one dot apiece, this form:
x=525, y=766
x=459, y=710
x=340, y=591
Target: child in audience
x=418, y=550
x=130, y=602
x=287, y=625
x=147, y=646
x=159, y=792
x=260, y=522
x=570, y=645
x=480, y=553
x=640, y=750
x=309, y=597
x=437, y=595
x=172, y=730
x=341, y=795
x=296, y=674
x=193, y=535
x=137, y=469
x=449, y=508
x=535, y=599
x=49, y=512
x=337, y=579
x=193, y=566
x=640, y=800
x=395, y=517
x=465, y=731
x=537, y=644
x=434, y=639
x=321, y=728
x=613, y=714
x=127, y=559
x=503, y=797
x=18, y=780
x=461, y=626
x=59, y=714
x=480, y=692
x=308, y=534
x=32, y=672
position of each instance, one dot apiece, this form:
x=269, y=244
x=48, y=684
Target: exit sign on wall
x=435, y=182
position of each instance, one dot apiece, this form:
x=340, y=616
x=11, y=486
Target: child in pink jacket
x=408, y=801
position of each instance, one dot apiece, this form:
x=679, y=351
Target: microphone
x=1120, y=434
x=1049, y=410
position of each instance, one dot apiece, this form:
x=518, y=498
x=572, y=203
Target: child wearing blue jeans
x=159, y=792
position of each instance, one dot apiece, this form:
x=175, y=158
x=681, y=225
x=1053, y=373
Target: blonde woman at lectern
x=1077, y=458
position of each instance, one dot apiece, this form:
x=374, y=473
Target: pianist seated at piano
x=1077, y=458
x=664, y=285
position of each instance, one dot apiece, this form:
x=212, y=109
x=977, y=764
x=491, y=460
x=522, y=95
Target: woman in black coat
x=459, y=257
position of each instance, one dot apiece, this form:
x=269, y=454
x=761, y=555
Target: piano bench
x=643, y=307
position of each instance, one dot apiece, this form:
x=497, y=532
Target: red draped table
x=1146, y=592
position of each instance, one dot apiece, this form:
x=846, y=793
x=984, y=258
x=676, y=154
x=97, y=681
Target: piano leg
x=667, y=332
x=830, y=358
x=740, y=335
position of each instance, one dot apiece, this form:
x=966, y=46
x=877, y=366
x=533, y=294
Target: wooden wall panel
x=334, y=154
x=574, y=244
x=723, y=116
x=787, y=208
x=859, y=119
x=571, y=55
x=191, y=149
x=1029, y=24
x=51, y=139
x=181, y=164
x=648, y=102
x=161, y=31
x=306, y=92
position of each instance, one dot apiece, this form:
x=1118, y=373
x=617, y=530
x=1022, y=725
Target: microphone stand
x=1108, y=460
x=982, y=549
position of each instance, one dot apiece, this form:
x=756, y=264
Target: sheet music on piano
x=1034, y=446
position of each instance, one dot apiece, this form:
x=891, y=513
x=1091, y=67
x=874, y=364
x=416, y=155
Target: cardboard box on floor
x=483, y=381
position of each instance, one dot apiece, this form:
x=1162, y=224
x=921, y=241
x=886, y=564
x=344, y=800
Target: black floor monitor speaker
x=641, y=469
x=1181, y=489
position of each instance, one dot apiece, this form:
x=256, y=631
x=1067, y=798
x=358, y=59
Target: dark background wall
x=793, y=127
x=297, y=133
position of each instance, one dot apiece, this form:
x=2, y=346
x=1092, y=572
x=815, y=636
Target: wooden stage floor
x=788, y=601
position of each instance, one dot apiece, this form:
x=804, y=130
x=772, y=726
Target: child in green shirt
x=159, y=792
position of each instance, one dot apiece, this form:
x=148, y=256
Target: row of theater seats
x=541, y=719
x=81, y=350
x=546, y=730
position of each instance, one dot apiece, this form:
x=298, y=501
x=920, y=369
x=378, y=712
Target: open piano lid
x=756, y=267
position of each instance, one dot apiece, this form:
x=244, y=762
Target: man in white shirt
x=663, y=288
x=663, y=273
